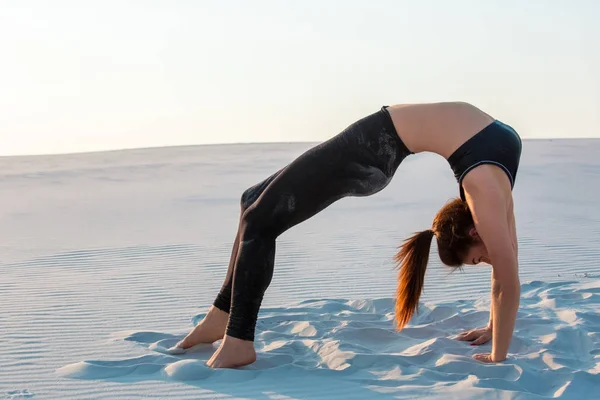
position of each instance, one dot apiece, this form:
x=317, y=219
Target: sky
x=79, y=76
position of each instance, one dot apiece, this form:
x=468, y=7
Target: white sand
x=108, y=259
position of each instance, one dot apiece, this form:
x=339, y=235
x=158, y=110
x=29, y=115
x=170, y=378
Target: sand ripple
x=555, y=351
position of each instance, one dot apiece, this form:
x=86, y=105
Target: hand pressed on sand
x=476, y=336
x=483, y=357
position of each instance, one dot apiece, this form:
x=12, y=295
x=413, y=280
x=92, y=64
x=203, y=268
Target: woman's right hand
x=476, y=336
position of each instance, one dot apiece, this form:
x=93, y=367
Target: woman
x=360, y=161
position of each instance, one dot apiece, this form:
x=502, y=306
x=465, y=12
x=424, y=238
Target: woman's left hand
x=483, y=357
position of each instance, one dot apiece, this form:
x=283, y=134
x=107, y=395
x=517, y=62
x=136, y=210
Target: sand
x=108, y=259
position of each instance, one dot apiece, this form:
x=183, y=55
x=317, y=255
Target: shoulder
x=488, y=180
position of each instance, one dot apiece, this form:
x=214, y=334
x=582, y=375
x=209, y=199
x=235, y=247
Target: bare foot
x=233, y=353
x=209, y=330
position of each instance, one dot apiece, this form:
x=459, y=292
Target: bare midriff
x=437, y=127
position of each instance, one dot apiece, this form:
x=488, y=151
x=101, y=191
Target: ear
x=473, y=233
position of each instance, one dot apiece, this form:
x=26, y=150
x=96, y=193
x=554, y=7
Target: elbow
x=507, y=290
x=506, y=278
x=511, y=287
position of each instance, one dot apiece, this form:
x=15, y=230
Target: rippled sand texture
x=108, y=259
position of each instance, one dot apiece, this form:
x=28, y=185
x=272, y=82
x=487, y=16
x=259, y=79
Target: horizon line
x=158, y=147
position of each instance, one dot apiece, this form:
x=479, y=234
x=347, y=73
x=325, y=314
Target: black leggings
x=360, y=161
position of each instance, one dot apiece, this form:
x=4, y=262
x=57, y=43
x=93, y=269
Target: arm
x=505, y=299
x=489, y=207
x=492, y=285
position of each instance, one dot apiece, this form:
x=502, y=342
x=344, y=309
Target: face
x=478, y=252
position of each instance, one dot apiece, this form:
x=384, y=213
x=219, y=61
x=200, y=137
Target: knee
x=256, y=221
x=247, y=199
x=250, y=221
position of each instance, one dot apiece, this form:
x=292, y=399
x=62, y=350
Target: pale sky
x=97, y=75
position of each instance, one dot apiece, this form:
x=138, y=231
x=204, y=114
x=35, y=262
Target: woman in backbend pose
x=478, y=227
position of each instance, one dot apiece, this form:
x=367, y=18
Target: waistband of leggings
x=389, y=124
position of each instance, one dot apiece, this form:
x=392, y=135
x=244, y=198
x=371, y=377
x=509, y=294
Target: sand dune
x=108, y=259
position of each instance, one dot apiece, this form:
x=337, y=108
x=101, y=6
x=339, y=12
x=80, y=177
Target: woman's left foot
x=233, y=353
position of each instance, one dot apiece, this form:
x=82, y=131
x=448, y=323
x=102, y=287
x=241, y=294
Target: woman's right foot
x=209, y=330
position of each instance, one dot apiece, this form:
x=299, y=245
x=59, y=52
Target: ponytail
x=412, y=260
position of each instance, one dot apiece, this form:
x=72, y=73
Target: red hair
x=451, y=227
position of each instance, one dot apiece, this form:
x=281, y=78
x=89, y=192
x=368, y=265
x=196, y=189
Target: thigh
x=312, y=182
